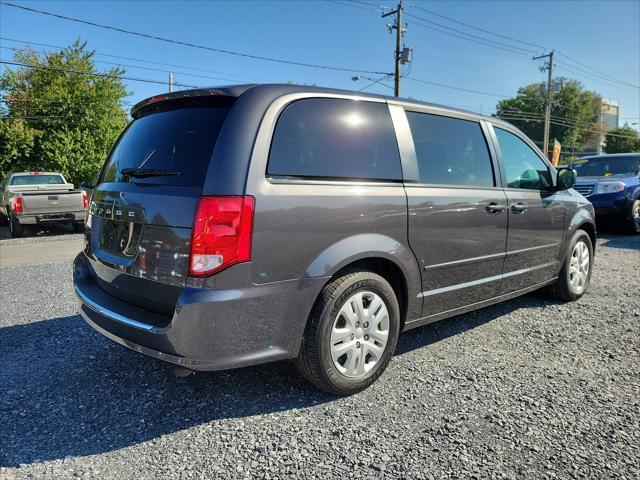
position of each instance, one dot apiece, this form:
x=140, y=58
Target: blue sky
x=602, y=35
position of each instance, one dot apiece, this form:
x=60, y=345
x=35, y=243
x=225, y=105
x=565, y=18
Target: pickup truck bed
x=31, y=204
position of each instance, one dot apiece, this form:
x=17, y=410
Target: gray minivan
x=240, y=225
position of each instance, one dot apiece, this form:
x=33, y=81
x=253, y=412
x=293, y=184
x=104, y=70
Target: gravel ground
x=530, y=388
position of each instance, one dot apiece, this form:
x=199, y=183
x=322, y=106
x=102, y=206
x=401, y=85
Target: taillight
x=85, y=200
x=221, y=234
x=17, y=205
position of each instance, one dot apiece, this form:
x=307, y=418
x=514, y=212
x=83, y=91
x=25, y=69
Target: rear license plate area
x=119, y=237
x=53, y=217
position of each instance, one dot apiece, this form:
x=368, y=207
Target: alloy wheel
x=579, y=267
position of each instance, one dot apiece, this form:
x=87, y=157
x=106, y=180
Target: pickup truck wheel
x=15, y=227
x=633, y=222
x=78, y=227
x=3, y=218
x=575, y=275
x=351, y=335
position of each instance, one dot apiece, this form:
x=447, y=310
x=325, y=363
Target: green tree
x=622, y=140
x=573, y=112
x=55, y=119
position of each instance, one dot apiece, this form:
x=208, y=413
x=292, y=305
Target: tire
x=78, y=227
x=16, y=229
x=367, y=351
x=572, y=284
x=633, y=221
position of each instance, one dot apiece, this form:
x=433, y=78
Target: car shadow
x=66, y=391
x=434, y=332
x=613, y=235
x=38, y=231
x=610, y=240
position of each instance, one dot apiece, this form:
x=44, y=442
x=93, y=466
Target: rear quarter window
x=335, y=139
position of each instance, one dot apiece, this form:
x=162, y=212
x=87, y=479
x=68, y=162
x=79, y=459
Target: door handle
x=494, y=208
x=518, y=207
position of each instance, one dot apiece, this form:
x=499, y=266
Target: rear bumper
x=209, y=329
x=50, y=218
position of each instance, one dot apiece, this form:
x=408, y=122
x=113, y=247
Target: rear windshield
x=178, y=141
x=607, y=166
x=36, y=180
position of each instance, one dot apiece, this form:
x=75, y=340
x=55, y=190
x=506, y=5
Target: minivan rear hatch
x=141, y=213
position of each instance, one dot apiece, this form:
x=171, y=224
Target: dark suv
x=241, y=225
x=612, y=185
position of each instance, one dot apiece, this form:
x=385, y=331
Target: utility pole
x=547, y=110
x=170, y=82
x=399, y=32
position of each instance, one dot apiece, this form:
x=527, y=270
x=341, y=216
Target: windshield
x=607, y=166
x=37, y=179
x=176, y=140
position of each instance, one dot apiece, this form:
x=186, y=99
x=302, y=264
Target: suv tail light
x=221, y=234
x=85, y=200
x=17, y=204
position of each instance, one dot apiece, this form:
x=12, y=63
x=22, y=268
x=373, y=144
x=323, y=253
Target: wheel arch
x=591, y=231
x=583, y=218
x=381, y=254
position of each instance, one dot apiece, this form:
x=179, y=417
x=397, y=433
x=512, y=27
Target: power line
x=50, y=102
x=431, y=12
x=473, y=36
x=565, y=124
x=480, y=42
x=513, y=39
x=448, y=30
x=140, y=67
x=375, y=7
x=456, y=88
x=385, y=75
x=352, y=5
x=106, y=75
x=374, y=81
x=538, y=115
x=598, y=71
x=192, y=45
x=591, y=73
x=151, y=62
x=580, y=72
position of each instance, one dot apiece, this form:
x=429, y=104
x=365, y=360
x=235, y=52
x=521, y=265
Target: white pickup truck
x=41, y=198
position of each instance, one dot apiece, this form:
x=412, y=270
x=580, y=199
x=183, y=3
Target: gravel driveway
x=527, y=389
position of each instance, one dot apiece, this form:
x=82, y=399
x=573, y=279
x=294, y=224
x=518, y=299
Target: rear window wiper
x=147, y=172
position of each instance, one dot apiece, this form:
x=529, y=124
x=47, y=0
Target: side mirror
x=566, y=178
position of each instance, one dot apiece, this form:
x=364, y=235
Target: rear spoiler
x=226, y=94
